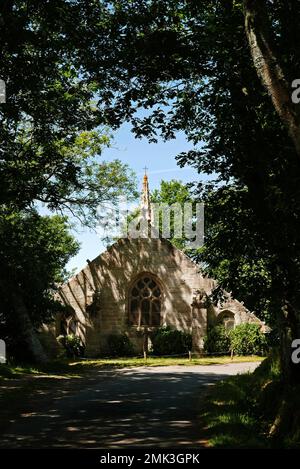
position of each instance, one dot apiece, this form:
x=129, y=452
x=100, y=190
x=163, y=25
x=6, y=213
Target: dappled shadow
x=111, y=275
x=227, y=417
x=113, y=409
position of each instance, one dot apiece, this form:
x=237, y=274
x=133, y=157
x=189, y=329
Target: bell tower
x=145, y=198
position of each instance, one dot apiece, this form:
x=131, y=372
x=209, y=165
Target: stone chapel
x=139, y=284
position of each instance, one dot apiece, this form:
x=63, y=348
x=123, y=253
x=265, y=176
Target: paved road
x=142, y=406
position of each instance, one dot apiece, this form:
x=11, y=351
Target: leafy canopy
x=33, y=254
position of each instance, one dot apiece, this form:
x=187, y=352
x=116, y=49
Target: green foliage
x=119, y=345
x=52, y=134
x=253, y=410
x=33, y=253
x=217, y=340
x=247, y=339
x=187, y=81
x=244, y=339
x=72, y=345
x=171, y=193
x=168, y=341
x=232, y=253
x=109, y=60
x=52, y=130
x=228, y=415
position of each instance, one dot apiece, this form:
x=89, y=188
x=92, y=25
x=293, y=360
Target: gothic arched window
x=68, y=324
x=145, y=302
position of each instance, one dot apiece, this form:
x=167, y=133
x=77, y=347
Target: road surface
x=136, y=407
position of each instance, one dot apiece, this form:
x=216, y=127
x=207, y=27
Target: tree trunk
x=289, y=330
x=294, y=329
x=26, y=328
x=268, y=67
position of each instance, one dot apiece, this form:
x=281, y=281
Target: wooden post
x=145, y=343
x=190, y=356
x=231, y=354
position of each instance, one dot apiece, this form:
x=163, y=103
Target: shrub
x=247, y=339
x=72, y=345
x=217, y=340
x=119, y=345
x=168, y=341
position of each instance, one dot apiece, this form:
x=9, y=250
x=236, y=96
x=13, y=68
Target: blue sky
x=161, y=163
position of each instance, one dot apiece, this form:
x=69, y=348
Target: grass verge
x=77, y=366
x=252, y=410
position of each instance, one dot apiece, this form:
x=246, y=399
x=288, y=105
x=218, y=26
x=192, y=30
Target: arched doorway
x=145, y=302
x=226, y=318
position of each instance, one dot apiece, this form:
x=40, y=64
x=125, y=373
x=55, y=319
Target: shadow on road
x=113, y=409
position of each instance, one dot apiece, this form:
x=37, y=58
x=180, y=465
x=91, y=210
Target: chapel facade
x=138, y=285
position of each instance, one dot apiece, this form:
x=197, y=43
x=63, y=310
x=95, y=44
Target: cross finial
x=145, y=169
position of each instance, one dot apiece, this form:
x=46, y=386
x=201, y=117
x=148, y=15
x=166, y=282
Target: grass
x=162, y=361
x=15, y=371
x=226, y=418
x=252, y=410
x=81, y=366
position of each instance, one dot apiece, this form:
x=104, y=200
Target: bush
x=119, y=345
x=217, y=340
x=247, y=339
x=168, y=341
x=72, y=345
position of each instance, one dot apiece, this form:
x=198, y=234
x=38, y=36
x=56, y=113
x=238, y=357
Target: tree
x=189, y=65
x=33, y=254
x=51, y=131
x=171, y=193
x=233, y=253
x=237, y=266
x=77, y=193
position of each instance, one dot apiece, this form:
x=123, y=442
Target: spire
x=145, y=202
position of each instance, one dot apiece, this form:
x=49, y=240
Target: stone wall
x=98, y=295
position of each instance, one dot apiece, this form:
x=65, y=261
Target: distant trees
x=171, y=193
x=231, y=253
